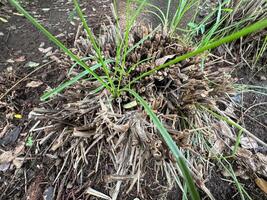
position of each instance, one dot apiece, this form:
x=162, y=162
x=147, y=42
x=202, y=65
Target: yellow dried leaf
x=262, y=184
x=18, y=116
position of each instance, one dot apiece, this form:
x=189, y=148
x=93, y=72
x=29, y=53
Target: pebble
x=263, y=78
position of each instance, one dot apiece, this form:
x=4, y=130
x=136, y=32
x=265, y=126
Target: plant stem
x=260, y=25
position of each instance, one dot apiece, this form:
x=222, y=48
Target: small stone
x=45, y=9
x=263, y=78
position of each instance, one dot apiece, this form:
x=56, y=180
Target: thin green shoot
x=182, y=8
x=207, y=37
x=185, y=192
x=97, y=90
x=160, y=15
x=260, y=25
x=75, y=64
x=132, y=68
x=72, y=81
x=57, y=42
x=129, y=24
x=229, y=169
x=243, y=88
x=171, y=144
x=232, y=123
x=237, y=143
x=95, y=45
x=261, y=51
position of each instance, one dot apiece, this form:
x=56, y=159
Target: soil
x=19, y=43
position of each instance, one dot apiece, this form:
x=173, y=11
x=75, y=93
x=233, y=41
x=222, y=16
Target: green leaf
x=228, y=10
x=171, y=144
x=202, y=28
x=29, y=142
x=192, y=25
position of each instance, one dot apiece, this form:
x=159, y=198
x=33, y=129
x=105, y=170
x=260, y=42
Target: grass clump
x=151, y=67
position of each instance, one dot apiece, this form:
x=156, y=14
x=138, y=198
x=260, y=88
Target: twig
x=21, y=80
x=259, y=104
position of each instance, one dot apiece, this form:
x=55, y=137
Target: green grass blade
x=234, y=124
x=94, y=43
x=141, y=41
x=130, y=20
x=260, y=25
x=75, y=64
x=171, y=144
x=95, y=91
x=61, y=87
x=56, y=41
x=70, y=82
x=207, y=38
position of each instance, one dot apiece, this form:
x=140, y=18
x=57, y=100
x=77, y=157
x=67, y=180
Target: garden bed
x=41, y=161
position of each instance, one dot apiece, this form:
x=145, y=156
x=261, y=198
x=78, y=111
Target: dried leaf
x=3, y=20
x=130, y=105
x=243, y=153
x=120, y=128
x=35, y=192
x=10, y=60
x=11, y=136
x=18, y=162
x=4, y=167
x=96, y=193
x=262, y=184
x=9, y=156
x=218, y=147
x=20, y=59
x=45, y=50
x=248, y=143
x=6, y=157
x=225, y=129
x=34, y=84
x=87, y=133
x=239, y=173
x=32, y=64
x=163, y=60
x=4, y=131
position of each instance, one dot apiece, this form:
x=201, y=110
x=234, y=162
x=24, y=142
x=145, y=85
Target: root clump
x=117, y=146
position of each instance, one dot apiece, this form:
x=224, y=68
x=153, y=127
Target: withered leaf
x=262, y=184
x=248, y=143
x=34, y=84
x=163, y=60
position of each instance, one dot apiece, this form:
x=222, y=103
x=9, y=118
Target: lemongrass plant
x=112, y=80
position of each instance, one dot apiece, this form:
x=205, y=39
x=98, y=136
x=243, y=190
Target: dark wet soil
x=19, y=39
